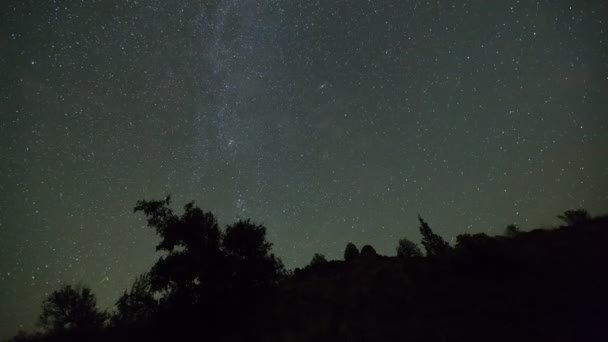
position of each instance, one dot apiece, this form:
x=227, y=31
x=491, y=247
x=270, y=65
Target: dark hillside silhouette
x=544, y=285
x=226, y=285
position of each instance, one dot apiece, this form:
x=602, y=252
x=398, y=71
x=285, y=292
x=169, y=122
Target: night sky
x=328, y=121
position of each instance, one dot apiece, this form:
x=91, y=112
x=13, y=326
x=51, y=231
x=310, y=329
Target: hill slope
x=547, y=285
x=542, y=285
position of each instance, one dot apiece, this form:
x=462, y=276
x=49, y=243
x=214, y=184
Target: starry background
x=328, y=121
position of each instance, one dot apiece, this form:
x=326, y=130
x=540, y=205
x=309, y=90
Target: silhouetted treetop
x=247, y=255
x=194, y=230
x=368, y=251
x=71, y=308
x=473, y=241
x=204, y=264
x=512, y=230
x=192, y=241
x=433, y=243
x=245, y=239
x=574, y=217
x=318, y=259
x=351, y=252
x=408, y=249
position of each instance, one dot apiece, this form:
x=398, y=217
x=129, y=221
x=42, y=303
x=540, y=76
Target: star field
x=328, y=121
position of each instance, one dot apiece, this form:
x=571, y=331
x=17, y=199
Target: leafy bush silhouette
x=408, y=249
x=575, y=217
x=351, y=252
x=512, y=230
x=478, y=251
x=368, y=251
x=71, y=309
x=318, y=259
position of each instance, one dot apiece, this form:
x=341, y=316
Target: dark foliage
x=368, y=251
x=248, y=255
x=575, y=217
x=512, y=230
x=137, y=305
x=541, y=285
x=318, y=259
x=408, y=249
x=351, y=252
x=208, y=274
x=433, y=243
x=71, y=309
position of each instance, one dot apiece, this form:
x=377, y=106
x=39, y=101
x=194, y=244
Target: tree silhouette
x=474, y=242
x=246, y=240
x=575, y=217
x=433, y=243
x=408, y=249
x=195, y=230
x=368, y=251
x=205, y=274
x=512, y=230
x=318, y=259
x=137, y=305
x=192, y=243
x=351, y=252
x=69, y=309
x=248, y=253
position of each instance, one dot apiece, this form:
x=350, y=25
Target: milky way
x=328, y=121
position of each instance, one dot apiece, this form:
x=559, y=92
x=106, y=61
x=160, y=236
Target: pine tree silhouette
x=434, y=244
